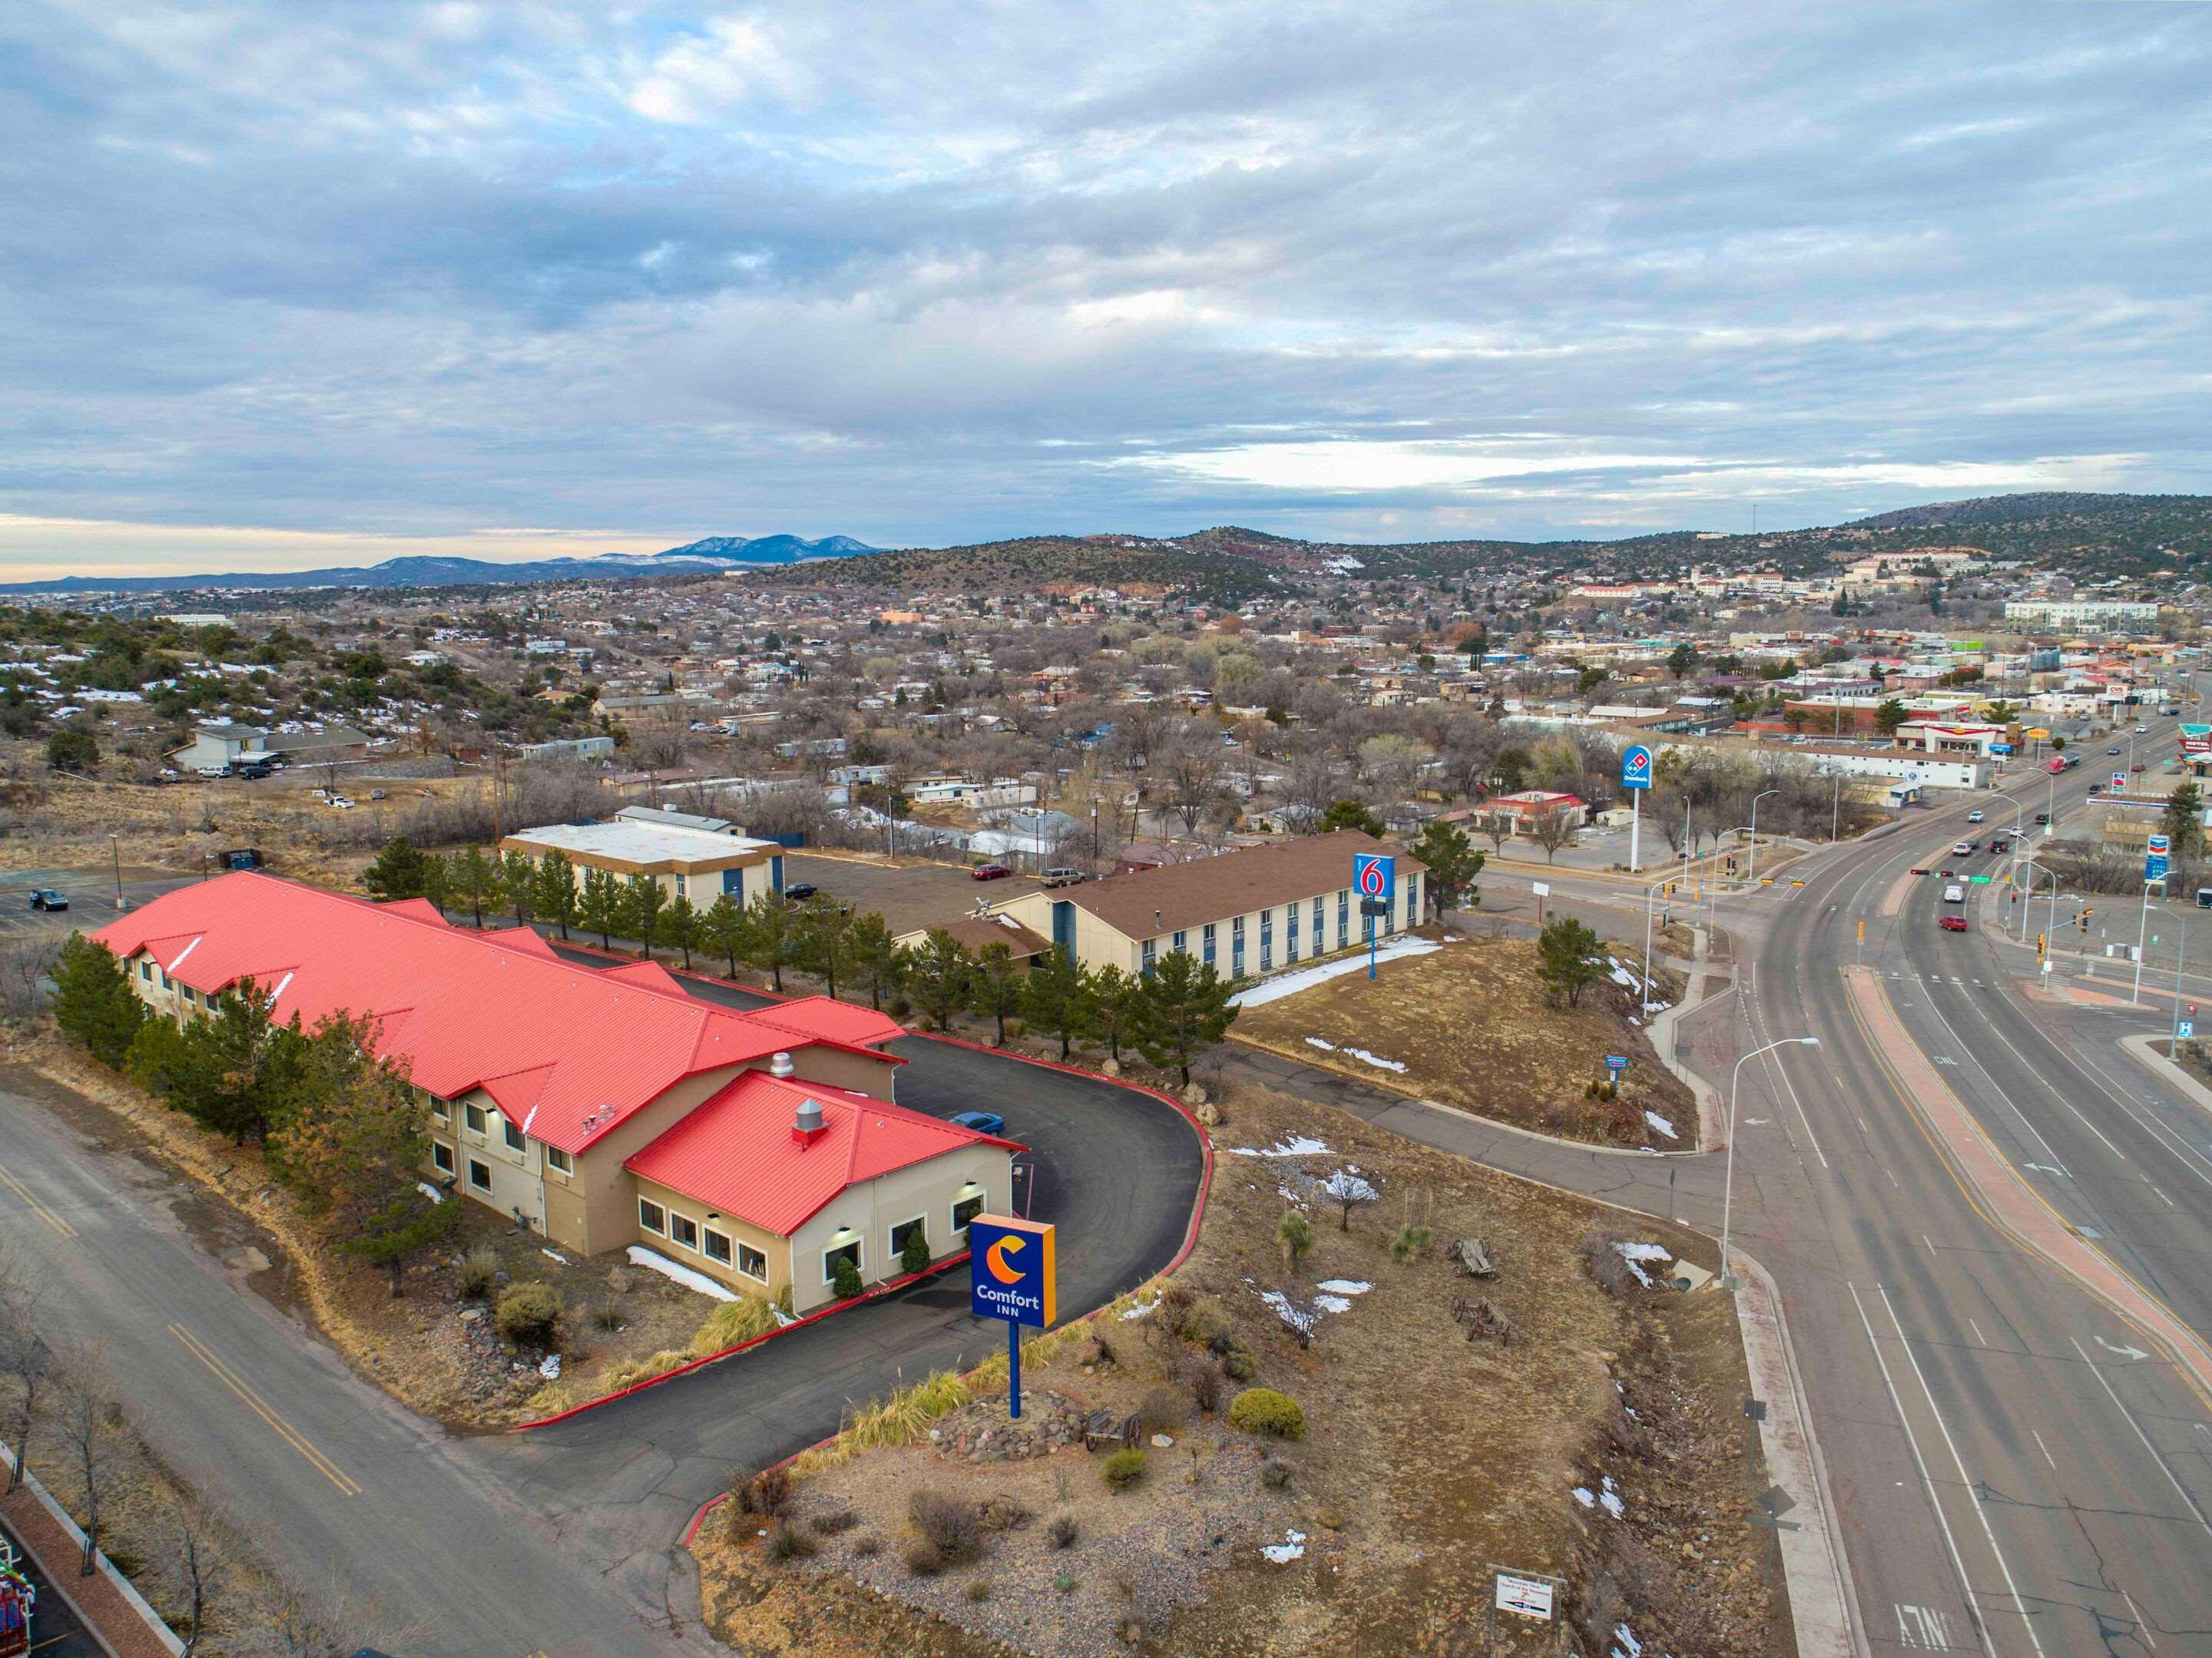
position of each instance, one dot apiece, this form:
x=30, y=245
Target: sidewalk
x=117, y=1618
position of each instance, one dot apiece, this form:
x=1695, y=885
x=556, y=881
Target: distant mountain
x=716, y=553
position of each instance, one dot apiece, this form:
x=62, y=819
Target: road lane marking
x=60, y=1226
x=253, y=1402
x=2027, y=1619
x=2143, y=1623
x=1920, y=1463
x=2157, y=1455
x=2045, y=1449
x=1921, y=1629
x=1982, y=1339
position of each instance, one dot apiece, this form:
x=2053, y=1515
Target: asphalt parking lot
x=908, y=898
x=91, y=895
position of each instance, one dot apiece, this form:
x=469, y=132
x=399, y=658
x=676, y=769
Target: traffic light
x=2042, y=945
x=2082, y=919
x=1668, y=890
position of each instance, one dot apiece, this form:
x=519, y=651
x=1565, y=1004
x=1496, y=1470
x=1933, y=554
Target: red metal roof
x=568, y=1050
x=820, y=1019
x=736, y=1151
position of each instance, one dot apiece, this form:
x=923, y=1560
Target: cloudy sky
x=289, y=283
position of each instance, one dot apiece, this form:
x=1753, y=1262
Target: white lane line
x=2000, y=1094
x=1920, y=1462
x=1929, y=1242
x=2027, y=1621
x=2045, y=1449
x=1979, y=1338
x=2143, y=1623
x=2162, y=1197
x=1773, y=1068
x=2157, y=1455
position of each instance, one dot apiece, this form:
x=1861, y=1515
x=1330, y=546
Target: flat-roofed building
x=697, y=863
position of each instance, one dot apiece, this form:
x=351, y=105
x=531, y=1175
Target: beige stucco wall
x=777, y=1250
x=871, y=1209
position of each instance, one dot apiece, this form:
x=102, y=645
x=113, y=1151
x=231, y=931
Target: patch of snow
x=1296, y=1317
x=1380, y=1064
x=1628, y=1646
x=1283, y=1553
x=1289, y=984
x=1140, y=1309
x=429, y=1191
x=654, y=1262
x=1323, y=1043
x=1332, y=1304
x=1343, y=1286
x=555, y=1254
x=1299, y=1146
x=1586, y=1496
x=1610, y=1499
x=1636, y=1253
x=1661, y=1125
x=1345, y=1187
x=1621, y=976
x=550, y=1370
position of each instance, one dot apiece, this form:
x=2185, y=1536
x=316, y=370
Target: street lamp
x=115, y=849
x=1728, y=1179
x=1755, y=799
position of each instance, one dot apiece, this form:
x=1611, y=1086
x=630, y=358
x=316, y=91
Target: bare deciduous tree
x=96, y=1439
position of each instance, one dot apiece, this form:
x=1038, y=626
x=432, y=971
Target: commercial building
x=697, y=863
x=1246, y=912
x=219, y=742
x=2100, y=614
x=601, y=1106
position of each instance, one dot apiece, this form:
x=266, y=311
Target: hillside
x=1045, y=563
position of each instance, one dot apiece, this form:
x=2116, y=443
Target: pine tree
x=476, y=881
x=723, y=929
x=1114, y=994
x=1182, y=1009
x=554, y=884
x=875, y=958
x=770, y=935
x=679, y=926
x=994, y=988
x=397, y=873
x=599, y=908
x=93, y=1003
x=823, y=944
x=1056, y=997
x=937, y=972
x=1453, y=865
x=1570, y=953
x=437, y=881
x=228, y=1069
x=643, y=898
x=518, y=881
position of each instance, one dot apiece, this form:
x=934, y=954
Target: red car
x=991, y=871
x=1952, y=923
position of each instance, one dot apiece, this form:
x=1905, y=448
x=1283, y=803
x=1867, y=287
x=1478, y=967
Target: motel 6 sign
x=1011, y=1271
x=1375, y=875
x=1635, y=767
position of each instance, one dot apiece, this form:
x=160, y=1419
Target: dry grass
x=1473, y=1028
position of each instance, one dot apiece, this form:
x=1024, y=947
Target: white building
x=2127, y=615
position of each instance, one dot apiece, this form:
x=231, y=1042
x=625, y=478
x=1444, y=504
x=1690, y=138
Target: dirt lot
x=1470, y=1027
x=430, y=1348
x=1428, y=1453
x=910, y=894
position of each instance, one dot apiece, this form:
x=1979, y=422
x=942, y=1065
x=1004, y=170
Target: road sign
x=1375, y=875
x=2119, y=779
x=1540, y=889
x=1524, y=1594
x=2000, y=748
x=1616, y=1062
x=1978, y=880
x=2037, y=733
x=1635, y=767
x=2185, y=1030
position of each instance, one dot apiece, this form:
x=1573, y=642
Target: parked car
x=378, y=794
x=983, y=1122
x=48, y=898
x=211, y=773
x=799, y=892
x=1952, y=923
x=2096, y=788
x=991, y=871
x=341, y=802
x=1974, y=817
x=1062, y=878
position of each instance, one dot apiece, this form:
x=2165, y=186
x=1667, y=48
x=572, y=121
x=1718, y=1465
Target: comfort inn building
x=600, y=1107
x=1247, y=912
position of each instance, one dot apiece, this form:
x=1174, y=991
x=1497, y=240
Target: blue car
x=983, y=1122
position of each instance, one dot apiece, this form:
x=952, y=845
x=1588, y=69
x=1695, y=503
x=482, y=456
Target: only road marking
x=260, y=1407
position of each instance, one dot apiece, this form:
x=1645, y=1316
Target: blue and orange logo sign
x=1012, y=1272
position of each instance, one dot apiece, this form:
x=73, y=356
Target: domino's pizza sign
x=1375, y=875
x=1635, y=767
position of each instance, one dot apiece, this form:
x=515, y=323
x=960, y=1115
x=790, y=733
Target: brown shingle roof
x=977, y=930
x=1149, y=902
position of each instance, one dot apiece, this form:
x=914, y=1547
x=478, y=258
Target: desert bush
x=1063, y=1531
x=1271, y=1415
x=528, y=1315
x=977, y=1590
x=768, y=1493
x=1236, y=1364
x=923, y=1558
x=951, y=1526
x=836, y=1521
x=1411, y=1243
x=1124, y=1468
x=606, y=1315
x=1206, y=1386
x=477, y=1273
x=1163, y=1408
x=1067, y=1582
x=731, y=1322
x=1275, y=1473
x=1607, y=1264
x=1177, y=1300
x=791, y=1541
x=867, y=1546
x=1207, y=1324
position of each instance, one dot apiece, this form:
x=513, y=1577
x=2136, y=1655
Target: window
x=1182, y=942
x=1291, y=933
x=902, y=1231
x=479, y=1175
x=1147, y=952
x=1267, y=939
x=965, y=1211
x=1343, y=917
x=718, y=1247
x=513, y=1132
x=651, y=1215
x=751, y=1262
x=560, y=1159
x=476, y=1116
x=1318, y=946
x=1236, y=947
x=684, y=1230
x=1208, y=938
x=146, y=971
x=440, y=1109
x=442, y=1156
x=843, y=1252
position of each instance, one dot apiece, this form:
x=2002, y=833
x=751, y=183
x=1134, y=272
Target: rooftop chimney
x=808, y=1122
x=780, y=1066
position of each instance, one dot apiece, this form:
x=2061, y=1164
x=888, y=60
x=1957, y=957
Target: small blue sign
x=1616, y=1062
x=2185, y=1030
x=1375, y=875
x=2154, y=867
x=2000, y=748
x=1635, y=767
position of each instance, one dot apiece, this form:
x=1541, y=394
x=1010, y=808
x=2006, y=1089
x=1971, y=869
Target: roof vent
x=780, y=1066
x=808, y=1121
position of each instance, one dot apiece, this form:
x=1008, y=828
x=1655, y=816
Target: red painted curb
x=685, y=1369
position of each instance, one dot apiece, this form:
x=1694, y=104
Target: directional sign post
x=1013, y=1277
x=1636, y=777
x=1375, y=878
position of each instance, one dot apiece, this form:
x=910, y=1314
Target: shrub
x=1124, y=1468
x=1275, y=1473
x=1062, y=1531
x=1295, y=1233
x=731, y=1322
x=922, y=1558
x=1607, y=1264
x=834, y=1522
x=783, y=1301
x=915, y=1257
x=477, y=1273
x=1271, y=1415
x=1236, y=1364
x=1207, y=1324
x=1163, y=1408
x=847, y=1280
x=1177, y=1300
x=606, y=1315
x=791, y=1541
x=977, y=1590
x=1067, y=1582
x=1206, y=1388
x=768, y=1493
x=528, y=1315
x=901, y=1007
x=867, y=1546
x=951, y=1526
x=1411, y=1243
